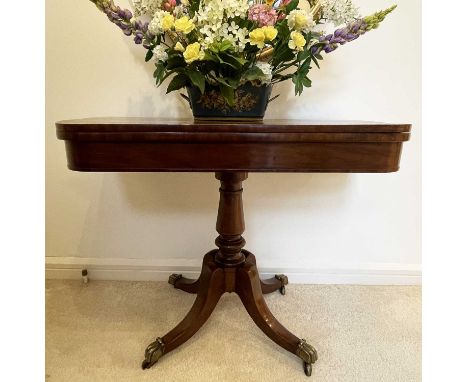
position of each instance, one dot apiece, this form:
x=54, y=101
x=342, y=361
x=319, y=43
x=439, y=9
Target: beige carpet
x=99, y=332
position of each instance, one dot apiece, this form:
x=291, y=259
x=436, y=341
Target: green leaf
x=149, y=55
x=281, y=77
x=305, y=67
x=239, y=59
x=303, y=55
x=230, y=60
x=228, y=94
x=282, y=54
x=159, y=72
x=178, y=82
x=315, y=61
x=221, y=46
x=197, y=79
x=175, y=61
x=254, y=73
x=230, y=82
x=292, y=6
x=210, y=57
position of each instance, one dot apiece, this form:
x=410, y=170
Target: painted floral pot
x=250, y=102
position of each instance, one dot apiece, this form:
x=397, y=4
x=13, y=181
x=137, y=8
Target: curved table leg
x=249, y=289
x=211, y=288
x=186, y=284
x=183, y=283
x=273, y=284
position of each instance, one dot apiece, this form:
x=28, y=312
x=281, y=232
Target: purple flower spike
x=340, y=37
x=123, y=18
x=138, y=39
x=351, y=37
x=128, y=14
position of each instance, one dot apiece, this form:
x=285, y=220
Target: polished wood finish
x=266, y=146
x=230, y=223
x=231, y=150
x=216, y=280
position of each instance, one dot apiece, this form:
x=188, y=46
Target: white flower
x=339, y=12
x=146, y=7
x=300, y=20
x=179, y=11
x=159, y=53
x=266, y=68
x=155, y=26
x=212, y=20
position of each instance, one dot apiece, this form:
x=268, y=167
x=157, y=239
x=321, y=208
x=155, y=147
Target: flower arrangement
x=227, y=43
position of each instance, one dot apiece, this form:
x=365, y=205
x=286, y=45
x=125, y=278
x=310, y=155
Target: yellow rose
x=178, y=46
x=184, y=25
x=192, y=53
x=270, y=32
x=257, y=37
x=167, y=22
x=297, y=41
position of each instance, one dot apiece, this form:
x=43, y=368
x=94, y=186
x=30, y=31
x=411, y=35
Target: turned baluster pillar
x=230, y=223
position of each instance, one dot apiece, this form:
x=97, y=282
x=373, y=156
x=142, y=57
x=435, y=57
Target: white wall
x=341, y=228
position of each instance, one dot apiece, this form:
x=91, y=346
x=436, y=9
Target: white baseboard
x=159, y=270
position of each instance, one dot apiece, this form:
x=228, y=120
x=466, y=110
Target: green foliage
x=300, y=78
x=252, y=74
x=175, y=61
x=178, y=82
x=291, y=6
x=149, y=55
x=224, y=63
x=159, y=73
x=197, y=78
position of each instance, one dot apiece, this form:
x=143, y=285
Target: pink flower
x=263, y=15
x=169, y=5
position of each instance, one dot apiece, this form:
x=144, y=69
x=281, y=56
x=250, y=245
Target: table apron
x=251, y=157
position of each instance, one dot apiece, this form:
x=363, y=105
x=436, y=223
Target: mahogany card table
x=231, y=150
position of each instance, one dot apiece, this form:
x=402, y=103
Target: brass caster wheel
x=173, y=278
x=308, y=355
x=153, y=352
x=284, y=282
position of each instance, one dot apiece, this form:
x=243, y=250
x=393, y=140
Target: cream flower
x=156, y=24
x=192, y=53
x=184, y=25
x=257, y=37
x=270, y=32
x=179, y=47
x=299, y=20
x=297, y=41
x=167, y=22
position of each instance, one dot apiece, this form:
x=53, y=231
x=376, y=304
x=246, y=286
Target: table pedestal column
x=230, y=268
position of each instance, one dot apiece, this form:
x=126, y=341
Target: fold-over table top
x=143, y=144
